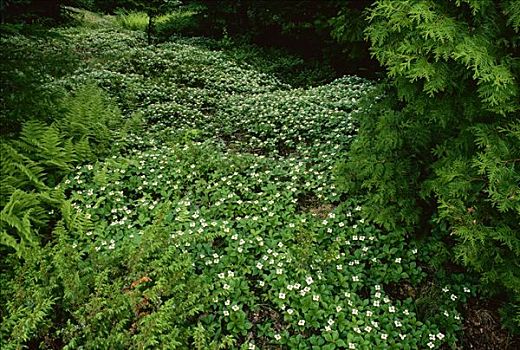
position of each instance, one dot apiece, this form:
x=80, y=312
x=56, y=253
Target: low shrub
x=132, y=20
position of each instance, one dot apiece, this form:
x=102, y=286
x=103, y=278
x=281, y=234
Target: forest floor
x=215, y=222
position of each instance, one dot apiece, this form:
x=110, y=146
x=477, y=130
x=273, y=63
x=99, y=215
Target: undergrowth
x=202, y=213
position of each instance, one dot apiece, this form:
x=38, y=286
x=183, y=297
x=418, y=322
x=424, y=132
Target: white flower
x=227, y=302
x=397, y=323
x=259, y=266
x=398, y=260
x=338, y=308
x=351, y=345
x=281, y=295
x=384, y=336
x=440, y=336
x=391, y=309
x=453, y=297
x=277, y=336
x=290, y=311
x=354, y=311
x=225, y=286
x=368, y=329
x=431, y=345
x=235, y=307
x=226, y=313
x=252, y=346
x=330, y=321
x=309, y=280
x=301, y=323
x=467, y=290
x=316, y=297
x=327, y=329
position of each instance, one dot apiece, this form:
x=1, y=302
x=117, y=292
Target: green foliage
x=217, y=224
x=28, y=60
x=34, y=164
x=133, y=20
x=450, y=146
x=319, y=30
x=182, y=21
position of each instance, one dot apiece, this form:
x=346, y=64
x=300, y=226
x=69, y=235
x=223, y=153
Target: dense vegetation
x=160, y=189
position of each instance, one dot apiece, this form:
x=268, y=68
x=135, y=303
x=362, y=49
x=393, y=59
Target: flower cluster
x=238, y=169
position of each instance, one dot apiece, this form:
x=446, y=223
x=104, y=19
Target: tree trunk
x=150, y=28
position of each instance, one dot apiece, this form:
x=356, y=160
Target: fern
x=41, y=157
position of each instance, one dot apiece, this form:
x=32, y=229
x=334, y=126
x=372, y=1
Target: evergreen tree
x=449, y=150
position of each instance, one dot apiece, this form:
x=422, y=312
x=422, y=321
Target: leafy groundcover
x=213, y=220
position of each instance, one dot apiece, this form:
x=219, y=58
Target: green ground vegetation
x=166, y=190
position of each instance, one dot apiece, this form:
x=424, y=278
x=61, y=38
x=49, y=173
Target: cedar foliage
x=449, y=149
